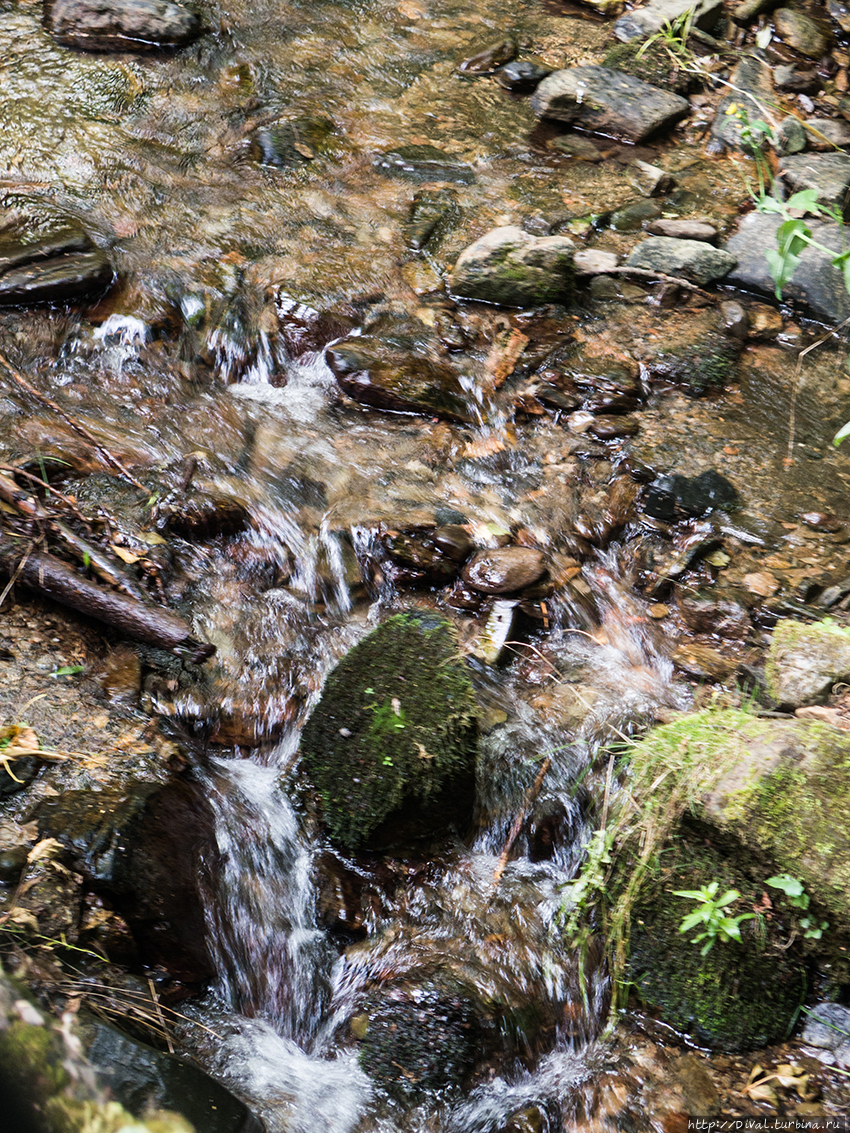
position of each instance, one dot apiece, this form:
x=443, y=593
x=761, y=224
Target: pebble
x=683, y=229
x=521, y=76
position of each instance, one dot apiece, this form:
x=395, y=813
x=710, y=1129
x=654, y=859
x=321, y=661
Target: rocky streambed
x=425, y=555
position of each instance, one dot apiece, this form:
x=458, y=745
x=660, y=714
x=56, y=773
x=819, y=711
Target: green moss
x=28, y=1061
x=649, y=62
x=395, y=725
x=736, y=997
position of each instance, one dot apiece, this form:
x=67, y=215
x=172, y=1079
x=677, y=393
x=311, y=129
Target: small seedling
x=711, y=916
x=798, y=898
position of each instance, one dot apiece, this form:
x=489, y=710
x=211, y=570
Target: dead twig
x=520, y=818
x=113, y=461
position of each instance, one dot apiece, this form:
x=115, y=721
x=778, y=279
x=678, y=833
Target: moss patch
x=395, y=725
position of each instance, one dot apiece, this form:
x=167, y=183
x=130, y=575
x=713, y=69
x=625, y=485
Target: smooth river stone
x=608, y=102
x=62, y=267
x=121, y=25
x=505, y=570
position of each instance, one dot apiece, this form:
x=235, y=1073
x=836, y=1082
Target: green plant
x=711, y=915
x=673, y=37
x=580, y=893
x=798, y=898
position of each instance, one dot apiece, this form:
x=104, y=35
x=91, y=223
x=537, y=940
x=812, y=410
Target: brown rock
x=505, y=570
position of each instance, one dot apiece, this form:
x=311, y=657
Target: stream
x=275, y=500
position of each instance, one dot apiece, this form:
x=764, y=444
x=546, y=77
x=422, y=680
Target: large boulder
x=515, y=269
x=395, y=727
x=145, y=850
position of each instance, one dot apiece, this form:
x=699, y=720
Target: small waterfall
x=272, y=961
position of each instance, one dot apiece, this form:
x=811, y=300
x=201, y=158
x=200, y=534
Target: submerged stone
x=121, y=25
x=394, y=728
x=514, y=269
x=423, y=163
x=291, y=143
x=372, y=372
x=522, y=76
x=431, y=210
x=486, y=61
x=606, y=101
x=62, y=267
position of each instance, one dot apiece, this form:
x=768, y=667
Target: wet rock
x=683, y=229
x=827, y=173
x=721, y=616
x=295, y=142
x=454, y=542
x=60, y=268
x=431, y=211
x=752, y=82
x=121, y=25
x=12, y=862
x=121, y=679
x=203, y=515
x=734, y=319
x=790, y=77
x=145, y=850
x=575, y=146
x=143, y=1080
x=486, y=61
x=416, y=1044
x=374, y=373
x=418, y=551
x=423, y=163
x=646, y=21
x=815, y=281
x=607, y=427
x=785, y=800
x=635, y=216
x=801, y=32
x=703, y=662
x=514, y=269
x=805, y=661
x=606, y=101
x=505, y=570
x=394, y=728
x=694, y=260
x=651, y=62
x=522, y=76
x=827, y=1026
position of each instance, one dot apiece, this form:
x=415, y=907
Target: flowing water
x=233, y=278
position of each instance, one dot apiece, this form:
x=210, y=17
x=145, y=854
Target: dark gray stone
x=121, y=25
x=827, y=173
x=522, y=76
x=59, y=268
x=607, y=101
x=694, y=260
x=752, y=89
x=423, y=163
x=815, y=281
x=791, y=135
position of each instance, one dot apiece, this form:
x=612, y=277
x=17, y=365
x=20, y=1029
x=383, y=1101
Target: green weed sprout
x=711, y=916
x=798, y=898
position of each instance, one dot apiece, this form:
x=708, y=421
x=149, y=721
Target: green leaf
x=728, y=897
x=691, y=921
x=806, y=200
x=842, y=434
x=67, y=671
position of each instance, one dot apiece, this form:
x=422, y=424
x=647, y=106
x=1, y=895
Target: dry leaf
x=19, y=737
x=152, y=539
x=761, y=1092
x=305, y=151
x=126, y=555
x=24, y=918
x=503, y=358
x=46, y=848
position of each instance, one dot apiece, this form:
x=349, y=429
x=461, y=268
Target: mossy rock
x=395, y=726
x=652, y=63
x=737, y=996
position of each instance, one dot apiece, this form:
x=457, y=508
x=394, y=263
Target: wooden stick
x=75, y=425
x=518, y=821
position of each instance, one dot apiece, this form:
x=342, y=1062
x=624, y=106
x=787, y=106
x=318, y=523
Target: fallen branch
x=20, y=380
x=50, y=576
